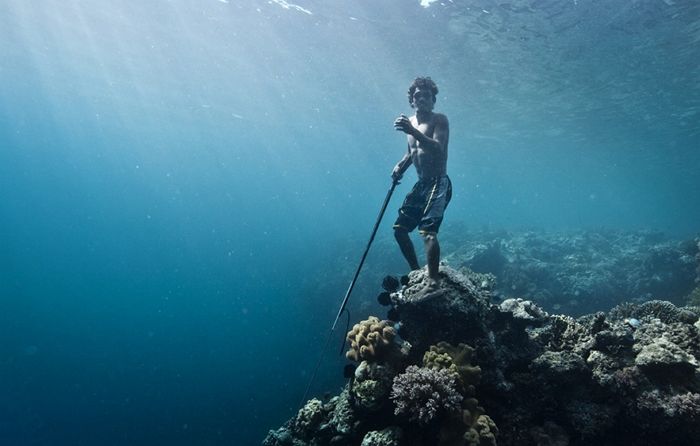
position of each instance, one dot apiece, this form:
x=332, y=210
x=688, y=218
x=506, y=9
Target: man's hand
x=396, y=174
x=403, y=124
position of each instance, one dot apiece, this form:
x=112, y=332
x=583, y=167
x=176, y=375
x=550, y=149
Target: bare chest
x=425, y=128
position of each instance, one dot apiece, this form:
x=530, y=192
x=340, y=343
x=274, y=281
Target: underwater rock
x=542, y=378
x=614, y=341
x=550, y=434
x=563, y=333
x=309, y=417
x=591, y=420
x=560, y=367
x=391, y=436
x=663, y=357
x=457, y=312
x=280, y=437
x=523, y=310
x=342, y=418
x=371, y=387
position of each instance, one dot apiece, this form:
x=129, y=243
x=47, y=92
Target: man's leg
x=432, y=252
x=407, y=248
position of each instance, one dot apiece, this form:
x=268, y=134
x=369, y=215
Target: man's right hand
x=396, y=174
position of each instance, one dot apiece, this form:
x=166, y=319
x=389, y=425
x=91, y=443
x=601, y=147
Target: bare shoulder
x=440, y=119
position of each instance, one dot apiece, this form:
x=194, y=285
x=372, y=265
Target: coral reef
x=319, y=424
x=423, y=393
x=693, y=299
x=458, y=359
x=371, y=385
x=391, y=436
x=629, y=376
x=459, y=311
x=665, y=311
x=583, y=271
x=370, y=339
x=481, y=430
x=372, y=342
x=309, y=416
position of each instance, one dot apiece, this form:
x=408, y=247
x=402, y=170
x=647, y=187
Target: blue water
x=187, y=185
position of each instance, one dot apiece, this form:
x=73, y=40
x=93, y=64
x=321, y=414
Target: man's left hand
x=403, y=124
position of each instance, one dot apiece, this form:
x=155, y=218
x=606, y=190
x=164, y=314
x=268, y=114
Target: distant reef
x=579, y=272
x=569, y=272
x=458, y=367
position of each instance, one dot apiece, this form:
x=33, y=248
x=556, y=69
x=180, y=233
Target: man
x=428, y=135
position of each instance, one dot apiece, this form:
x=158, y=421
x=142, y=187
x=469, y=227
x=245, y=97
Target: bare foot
x=430, y=290
x=433, y=284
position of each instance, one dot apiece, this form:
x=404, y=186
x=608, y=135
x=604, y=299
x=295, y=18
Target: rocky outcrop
x=628, y=376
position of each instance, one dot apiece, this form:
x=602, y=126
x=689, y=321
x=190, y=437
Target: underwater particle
x=384, y=298
x=30, y=350
x=390, y=284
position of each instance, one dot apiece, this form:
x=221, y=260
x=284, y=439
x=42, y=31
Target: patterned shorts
x=425, y=205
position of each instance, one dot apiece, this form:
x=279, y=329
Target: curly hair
x=424, y=83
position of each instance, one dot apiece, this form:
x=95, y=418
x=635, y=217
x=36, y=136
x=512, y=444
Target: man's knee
x=429, y=236
x=400, y=233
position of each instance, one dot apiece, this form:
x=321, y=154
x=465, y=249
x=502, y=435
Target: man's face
x=423, y=100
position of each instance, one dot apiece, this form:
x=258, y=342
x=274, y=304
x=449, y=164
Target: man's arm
x=441, y=135
x=402, y=165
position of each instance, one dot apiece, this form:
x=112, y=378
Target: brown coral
x=370, y=339
x=481, y=430
x=471, y=428
x=457, y=359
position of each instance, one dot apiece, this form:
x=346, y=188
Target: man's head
x=422, y=93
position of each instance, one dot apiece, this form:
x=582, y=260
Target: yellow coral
x=369, y=339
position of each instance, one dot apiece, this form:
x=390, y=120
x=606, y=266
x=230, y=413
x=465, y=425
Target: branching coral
x=474, y=427
x=680, y=405
x=423, y=393
x=370, y=339
x=665, y=311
